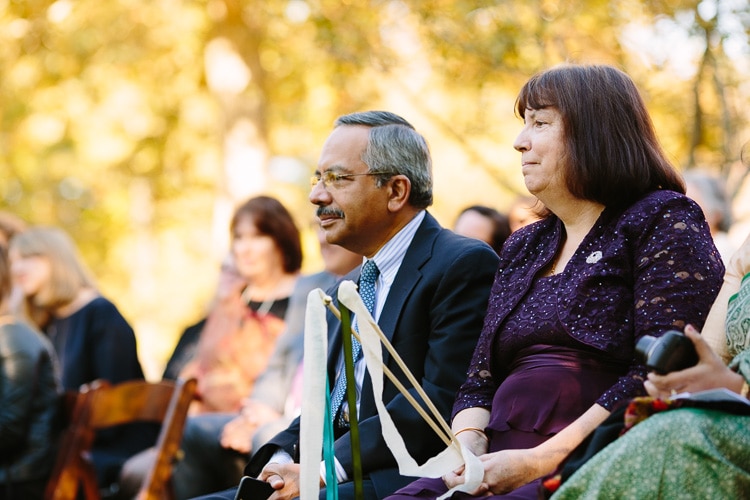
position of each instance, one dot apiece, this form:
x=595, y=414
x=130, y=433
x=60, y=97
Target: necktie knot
x=370, y=272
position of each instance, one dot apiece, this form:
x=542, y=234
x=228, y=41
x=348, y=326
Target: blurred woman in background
x=91, y=338
x=236, y=341
x=241, y=330
x=28, y=400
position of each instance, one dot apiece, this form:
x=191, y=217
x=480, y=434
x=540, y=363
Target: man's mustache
x=322, y=211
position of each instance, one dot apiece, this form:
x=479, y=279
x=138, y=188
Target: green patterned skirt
x=686, y=453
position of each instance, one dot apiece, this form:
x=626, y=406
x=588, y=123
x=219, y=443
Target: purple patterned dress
x=552, y=347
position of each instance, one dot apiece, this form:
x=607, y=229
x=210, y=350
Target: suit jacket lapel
x=407, y=278
x=409, y=275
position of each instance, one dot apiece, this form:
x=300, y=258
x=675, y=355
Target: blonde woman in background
x=90, y=336
x=28, y=401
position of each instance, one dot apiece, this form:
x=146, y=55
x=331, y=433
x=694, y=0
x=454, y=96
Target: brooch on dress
x=594, y=257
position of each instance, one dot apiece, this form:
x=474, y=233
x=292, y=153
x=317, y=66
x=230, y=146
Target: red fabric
x=233, y=350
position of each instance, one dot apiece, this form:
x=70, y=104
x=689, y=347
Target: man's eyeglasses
x=331, y=178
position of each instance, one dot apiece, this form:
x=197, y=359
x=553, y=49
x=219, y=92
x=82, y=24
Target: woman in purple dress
x=622, y=253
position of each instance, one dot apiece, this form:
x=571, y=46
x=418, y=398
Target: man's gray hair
x=396, y=148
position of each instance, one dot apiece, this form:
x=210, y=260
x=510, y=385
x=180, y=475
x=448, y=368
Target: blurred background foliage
x=139, y=125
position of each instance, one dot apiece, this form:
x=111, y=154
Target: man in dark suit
x=372, y=186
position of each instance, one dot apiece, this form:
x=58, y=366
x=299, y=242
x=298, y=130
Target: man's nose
x=319, y=195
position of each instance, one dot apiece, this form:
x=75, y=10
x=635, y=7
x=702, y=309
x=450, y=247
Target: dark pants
x=346, y=492
x=26, y=490
x=206, y=465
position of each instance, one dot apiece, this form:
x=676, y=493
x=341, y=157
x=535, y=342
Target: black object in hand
x=253, y=489
x=671, y=352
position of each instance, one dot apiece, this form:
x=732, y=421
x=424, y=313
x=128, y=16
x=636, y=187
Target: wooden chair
x=100, y=405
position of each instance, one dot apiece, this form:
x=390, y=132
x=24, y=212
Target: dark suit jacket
x=433, y=316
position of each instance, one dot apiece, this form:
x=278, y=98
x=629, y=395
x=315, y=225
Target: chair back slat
x=128, y=402
x=100, y=405
x=168, y=444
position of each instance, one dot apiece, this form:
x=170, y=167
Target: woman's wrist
x=740, y=367
x=545, y=457
x=476, y=430
x=737, y=383
x=474, y=438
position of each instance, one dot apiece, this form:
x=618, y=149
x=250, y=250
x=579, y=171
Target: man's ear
x=399, y=189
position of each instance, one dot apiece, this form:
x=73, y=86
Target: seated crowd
x=522, y=333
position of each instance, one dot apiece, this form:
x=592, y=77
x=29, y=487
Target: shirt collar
x=389, y=257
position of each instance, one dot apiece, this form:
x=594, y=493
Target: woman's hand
x=238, y=433
x=507, y=470
x=467, y=427
x=476, y=442
x=456, y=478
x=504, y=471
x=709, y=373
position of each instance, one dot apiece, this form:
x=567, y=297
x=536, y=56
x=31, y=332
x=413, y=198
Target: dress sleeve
x=480, y=385
x=677, y=274
x=115, y=354
x=482, y=379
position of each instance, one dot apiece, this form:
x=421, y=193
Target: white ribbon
x=370, y=336
x=314, y=394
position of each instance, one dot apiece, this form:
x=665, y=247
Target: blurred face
x=30, y=273
x=255, y=255
x=520, y=216
x=542, y=151
x=474, y=225
x=352, y=211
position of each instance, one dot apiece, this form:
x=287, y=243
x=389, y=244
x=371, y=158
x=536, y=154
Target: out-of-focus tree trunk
x=237, y=80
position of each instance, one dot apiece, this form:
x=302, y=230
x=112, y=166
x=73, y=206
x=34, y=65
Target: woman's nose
x=521, y=143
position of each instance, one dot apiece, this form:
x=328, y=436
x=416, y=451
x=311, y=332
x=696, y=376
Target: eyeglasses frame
x=334, y=177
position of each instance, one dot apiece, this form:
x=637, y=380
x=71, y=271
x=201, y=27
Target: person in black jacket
x=29, y=390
